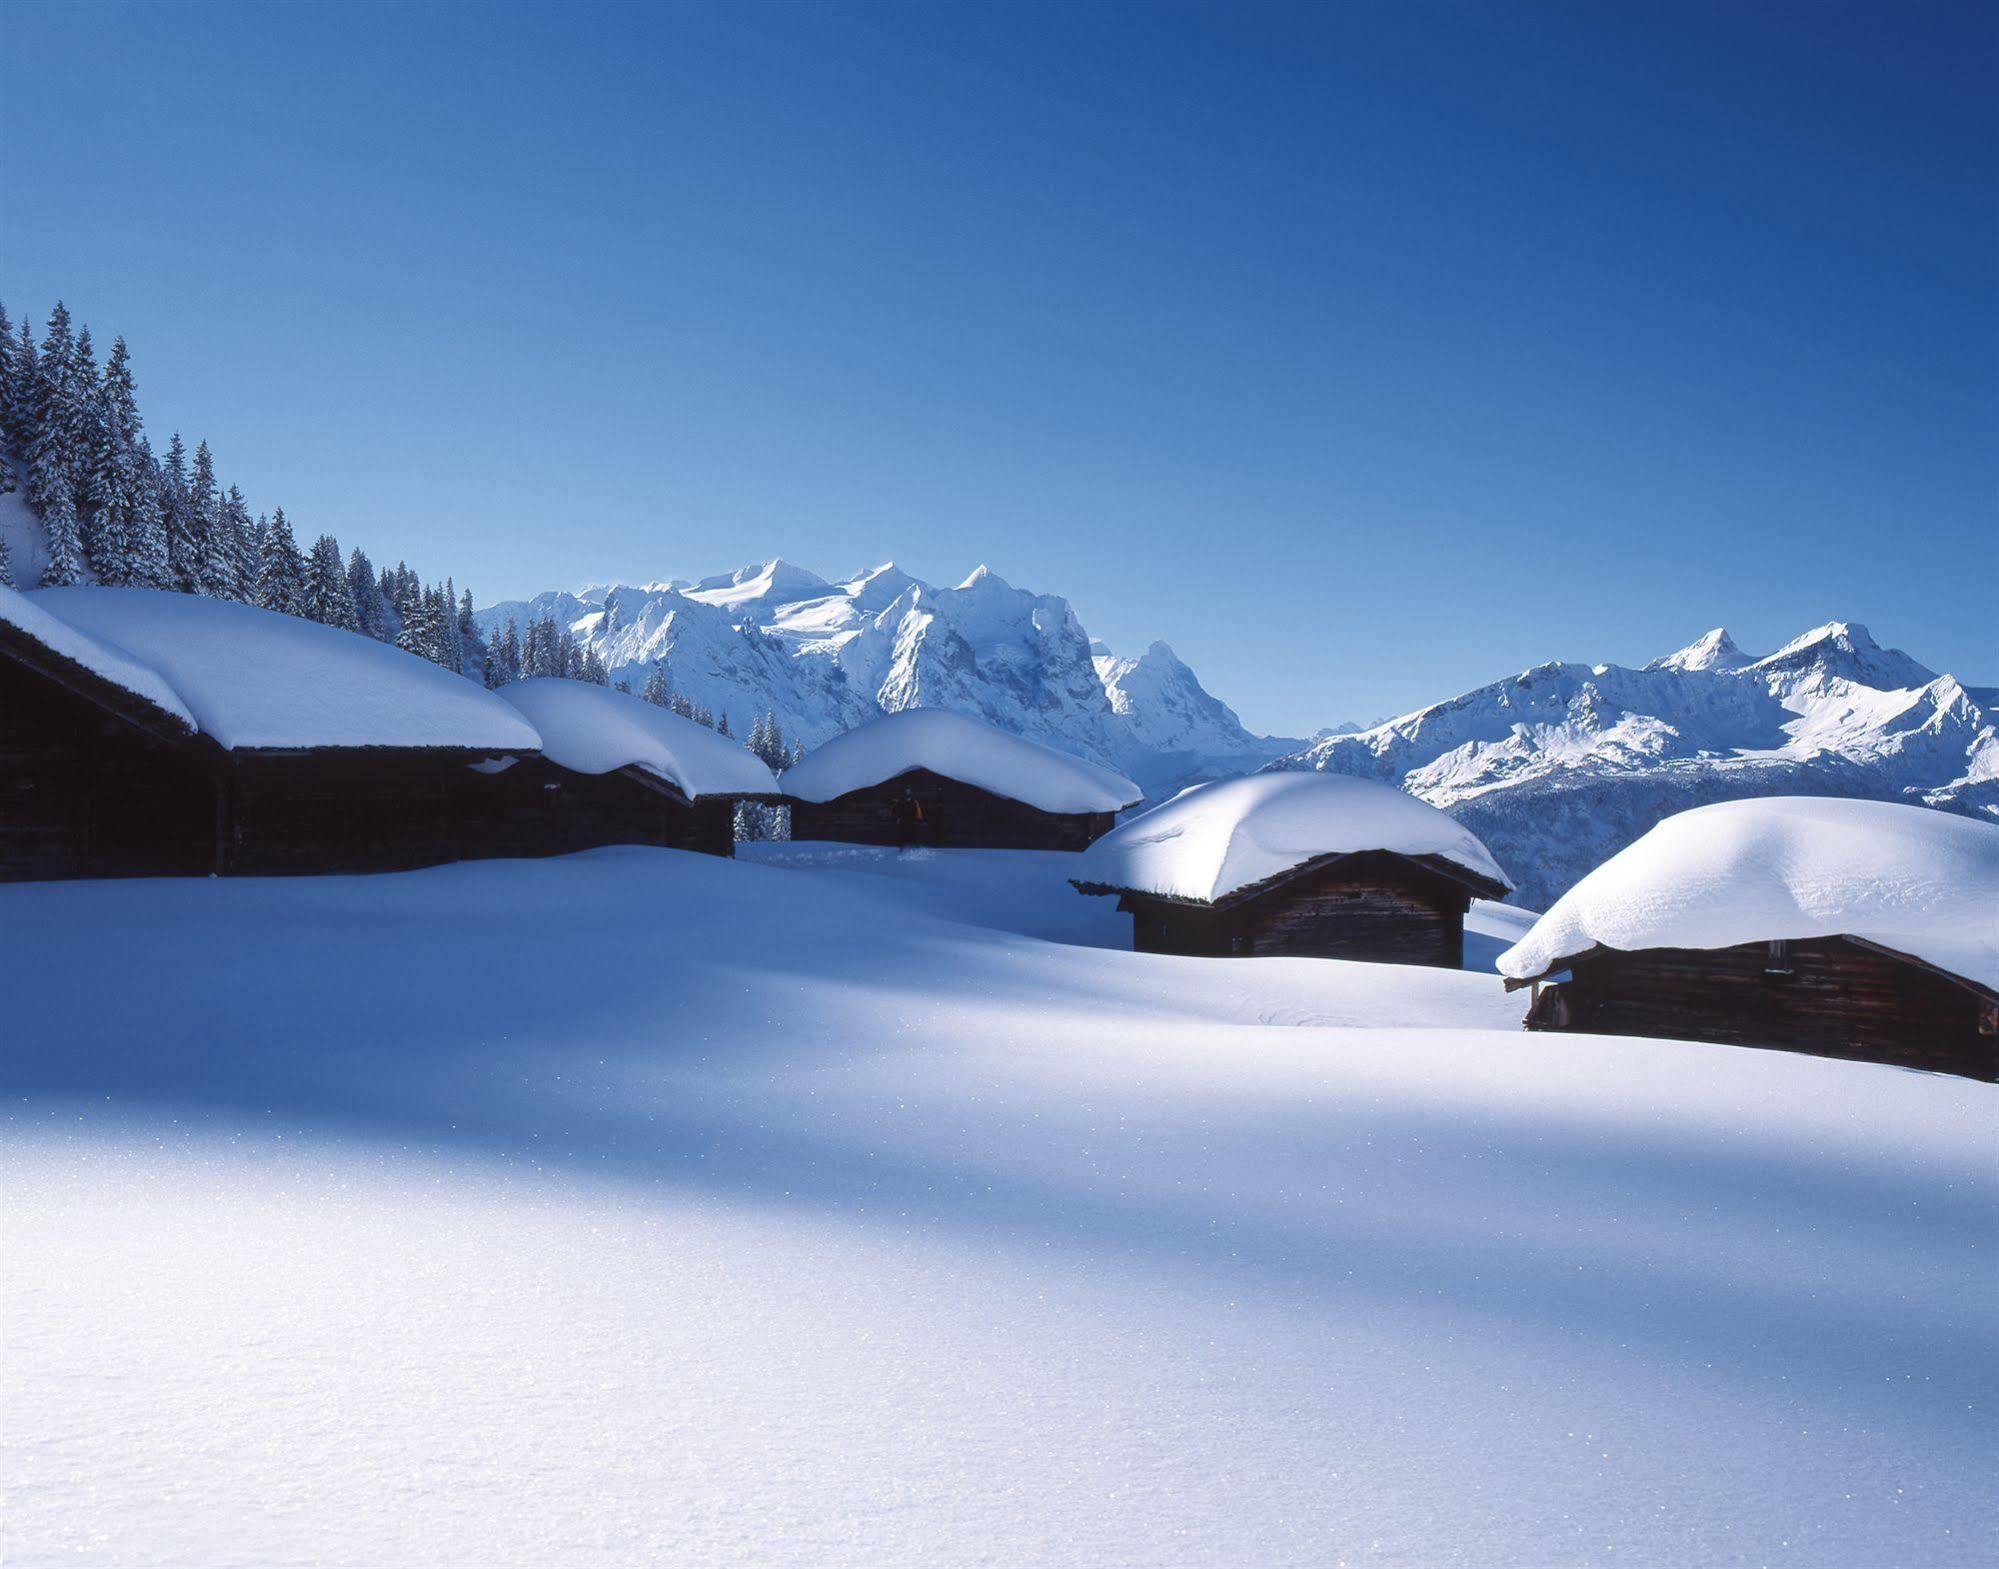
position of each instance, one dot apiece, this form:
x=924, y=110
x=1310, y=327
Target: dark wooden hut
x=151, y=733
x=1832, y=996
x=1855, y=929
x=1299, y=865
x=932, y=778
x=615, y=769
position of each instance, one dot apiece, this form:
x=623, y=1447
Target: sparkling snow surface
x=640, y=1207
x=254, y=678
x=961, y=748
x=1922, y=882
x=99, y=658
x=1210, y=841
x=594, y=729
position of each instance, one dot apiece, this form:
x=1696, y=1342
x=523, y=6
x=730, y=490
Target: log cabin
x=1299, y=865
x=928, y=777
x=148, y=733
x=615, y=769
x=1851, y=929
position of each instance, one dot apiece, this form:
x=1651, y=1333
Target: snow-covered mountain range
x=825, y=656
x=1561, y=766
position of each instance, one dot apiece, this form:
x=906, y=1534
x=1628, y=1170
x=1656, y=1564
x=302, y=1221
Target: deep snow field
x=824, y=1208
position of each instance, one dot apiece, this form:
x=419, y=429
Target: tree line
x=113, y=512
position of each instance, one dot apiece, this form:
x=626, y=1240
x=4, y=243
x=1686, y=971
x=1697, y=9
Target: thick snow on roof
x=99, y=658
x=257, y=679
x=1919, y=881
x=593, y=730
x=1216, y=839
x=961, y=748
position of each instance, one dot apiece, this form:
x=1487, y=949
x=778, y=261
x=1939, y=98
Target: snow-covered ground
x=641, y=1207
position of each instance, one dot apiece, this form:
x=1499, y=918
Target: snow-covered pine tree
x=184, y=543
x=6, y=566
x=505, y=664
x=23, y=390
x=327, y=599
x=63, y=541
x=6, y=402
x=281, y=577
x=110, y=522
x=722, y=725
x=148, y=531
x=658, y=689
x=204, y=505
x=239, y=540
x=53, y=464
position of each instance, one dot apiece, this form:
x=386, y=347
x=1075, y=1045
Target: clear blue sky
x=1364, y=352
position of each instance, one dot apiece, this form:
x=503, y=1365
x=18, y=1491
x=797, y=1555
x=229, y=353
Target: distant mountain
x=1561, y=766
x=825, y=656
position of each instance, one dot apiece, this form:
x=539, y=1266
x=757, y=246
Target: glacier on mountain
x=825, y=656
x=1563, y=765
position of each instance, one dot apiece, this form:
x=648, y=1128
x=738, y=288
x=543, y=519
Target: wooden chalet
x=151, y=733
x=615, y=769
x=926, y=777
x=1833, y=996
x=1650, y=943
x=1295, y=865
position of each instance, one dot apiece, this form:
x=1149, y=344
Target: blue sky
x=1363, y=352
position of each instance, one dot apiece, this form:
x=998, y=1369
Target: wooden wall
x=958, y=816
x=83, y=793
x=1839, y=999
x=1374, y=906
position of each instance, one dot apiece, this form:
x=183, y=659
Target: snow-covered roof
x=1215, y=840
x=961, y=748
x=594, y=729
x=254, y=679
x=100, y=659
x=1922, y=882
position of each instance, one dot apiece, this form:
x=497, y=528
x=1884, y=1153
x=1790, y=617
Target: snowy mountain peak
x=1712, y=650
x=772, y=582
x=983, y=576
x=1846, y=650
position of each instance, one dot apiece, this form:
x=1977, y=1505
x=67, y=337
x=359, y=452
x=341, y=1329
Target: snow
x=961, y=748
x=1217, y=839
x=99, y=658
x=593, y=730
x=254, y=679
x=646, y=1207
x=1919, y=881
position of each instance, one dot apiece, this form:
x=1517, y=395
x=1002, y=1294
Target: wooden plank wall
x=1839, y=1000
x=959, y=816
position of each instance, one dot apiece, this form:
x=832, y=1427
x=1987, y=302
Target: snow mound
x=99, y=658
x=1922, y=882
x=593, y=730
x=255, y=679
x=1217, y=839
x=961, y=748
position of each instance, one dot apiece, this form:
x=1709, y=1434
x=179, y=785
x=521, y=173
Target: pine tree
x=658, y=688
x=505, y=663
x=722, y=726
x=52, y=460
x=184, y=544
x=64, y=543
x=110, y=522
x=148, y=533
x=22, y=391
x=371, y=611
x=6, y=565
x=327, y=599
x=239, y=540
x=281, y=578
x=6, y=402
x=204, y=506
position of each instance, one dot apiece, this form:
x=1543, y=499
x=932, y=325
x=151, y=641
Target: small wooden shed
x=615, y=769
x=1295, y=864
x=929, y=777
x=1852, y=929
x=146, y=733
